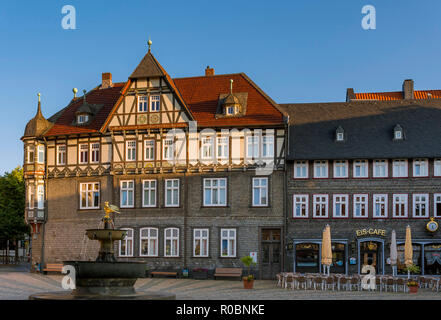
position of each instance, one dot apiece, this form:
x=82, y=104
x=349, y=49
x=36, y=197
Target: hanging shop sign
x=370, y=232
x=432, y=225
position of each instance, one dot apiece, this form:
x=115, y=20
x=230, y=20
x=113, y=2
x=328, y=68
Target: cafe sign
x=370, y=232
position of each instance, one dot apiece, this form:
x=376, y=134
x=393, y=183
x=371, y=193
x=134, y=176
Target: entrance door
x=270, y=253
x=371, y=254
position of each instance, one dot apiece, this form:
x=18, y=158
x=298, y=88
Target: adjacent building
x=197, y=166
x=366, y=167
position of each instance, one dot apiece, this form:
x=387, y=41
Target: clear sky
x=296, y=50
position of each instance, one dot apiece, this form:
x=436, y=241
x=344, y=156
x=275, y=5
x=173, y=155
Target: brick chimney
x=408, y=89
x=350, y=94
x=106, y=80
x=209, y=71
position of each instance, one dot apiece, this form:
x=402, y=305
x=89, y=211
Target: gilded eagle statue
x=108, y=209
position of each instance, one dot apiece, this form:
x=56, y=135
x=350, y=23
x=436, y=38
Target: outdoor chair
x=434, y=284
x=355, y=282
x=423, y=282
x=279, y=278
x=289, y=278
x=301, y=282
x=401, y=282
x=378, y=283
x=318, y=282
x=343, y=282
x=389, y=283
x=330, y=282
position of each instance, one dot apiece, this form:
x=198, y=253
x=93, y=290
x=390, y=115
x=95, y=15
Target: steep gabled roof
x=368, y=127
x=148, y=67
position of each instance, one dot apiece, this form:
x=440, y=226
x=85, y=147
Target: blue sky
x=296, y=51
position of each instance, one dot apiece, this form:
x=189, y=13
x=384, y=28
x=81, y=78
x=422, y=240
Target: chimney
x=408, y=89
x=350, y=94
x=106, y=80
x=209, y=71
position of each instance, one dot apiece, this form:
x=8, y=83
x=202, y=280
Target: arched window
x=171, y=242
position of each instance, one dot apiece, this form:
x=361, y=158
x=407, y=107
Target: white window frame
x=300, y=201
x=127, y=239
x=419, y=162
x=215, y=189
x=30, y=150
x=399, y=165
x=262, y=189
x=436, y=199
x=88, y=190
x=131, y=150
x=321, y=200
x=364, y=166
x=400, y=199
x=337, y=199
x=207, y=147
x=149, y=238
x=40, y=196
x=253, y=146
x=147, y=187
x=268, y=146
x=168, y=149
x=380, y=163
x=437, y=167
x=231, y=237
x=31, y=196
x=142, y=103
x=149, y=149
x=173, y=189
x=380, y=199
x=174, y=240
x=222, y=147
x=319, y=165
x=398, y=134
x=201, y=235
x=301, y=169
x=127, y=186
x=95, y=152
x=343, y=164
x=340, y=136
x=362, y=200
x=82, y=118
x=83, y=153
x=40, y=153
x=415, y=201
x=61, y=154
x=155, y=103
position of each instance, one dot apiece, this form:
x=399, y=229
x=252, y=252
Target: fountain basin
x=96, y=269
x=106, y=234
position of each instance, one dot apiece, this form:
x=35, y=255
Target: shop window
x=338, y=258
x=307, y=257
x=432, y=258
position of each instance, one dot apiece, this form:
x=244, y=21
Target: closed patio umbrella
x=408, y=250
x=326, y=247
x=393, y=253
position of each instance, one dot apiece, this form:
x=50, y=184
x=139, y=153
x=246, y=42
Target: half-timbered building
x=196, y=165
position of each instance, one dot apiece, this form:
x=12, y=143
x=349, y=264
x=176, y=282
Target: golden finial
x=39, y=95
x=75, y=90
x=231, y=86
x=149, y=43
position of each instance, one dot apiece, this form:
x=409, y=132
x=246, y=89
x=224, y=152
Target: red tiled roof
x=106, y=97
x=202, y=94
x=397, y=95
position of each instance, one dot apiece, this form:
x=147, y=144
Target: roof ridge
x=215, y=75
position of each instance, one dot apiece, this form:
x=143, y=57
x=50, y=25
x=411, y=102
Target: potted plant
x=200, y=273
x=412, y=284
x=248, y=281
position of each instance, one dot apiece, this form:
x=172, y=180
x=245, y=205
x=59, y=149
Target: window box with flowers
x=200, y=273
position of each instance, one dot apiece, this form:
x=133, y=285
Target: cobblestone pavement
x=19, y=285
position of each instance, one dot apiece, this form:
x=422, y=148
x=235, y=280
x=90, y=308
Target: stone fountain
x=105, y=278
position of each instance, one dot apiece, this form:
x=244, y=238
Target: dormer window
x=398, y=132
x=230, y=110
x=82, y=118
x=340, y=134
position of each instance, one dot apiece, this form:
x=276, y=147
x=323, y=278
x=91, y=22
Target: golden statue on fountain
x=108, y=209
